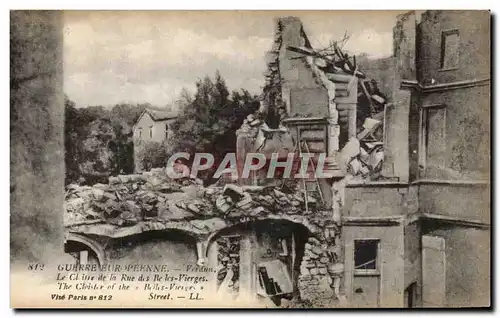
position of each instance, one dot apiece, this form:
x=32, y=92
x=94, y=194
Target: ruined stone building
x=402, y=221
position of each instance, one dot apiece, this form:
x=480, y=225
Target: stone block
x=312, y=255
x=304, y=278
x=317, y=250
x=257, y=211
x=304, y=270
x=222, y=204
x=313, y=241
x=245, y=201
x=279, y=194
x=233, y=189
x=309, y=265
x=336, y=269
x=114, y=180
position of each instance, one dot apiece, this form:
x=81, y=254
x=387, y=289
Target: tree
x=183, y=101
x=97, y=159
x=151, y=155
x=208, y=123
x=99, y=141
x=123, y=117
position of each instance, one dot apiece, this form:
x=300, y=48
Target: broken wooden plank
x=377, y=98
x=302, y=50
x=347, y=68
x=84, y=222
x=368, y=97
x=339, y=78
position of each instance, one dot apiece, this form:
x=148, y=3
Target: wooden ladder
x=300, y=146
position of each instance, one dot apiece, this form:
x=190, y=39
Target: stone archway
x=315, y=266
x=244, y=252
x=173, y=247
x=298, y=220
x=85, y=247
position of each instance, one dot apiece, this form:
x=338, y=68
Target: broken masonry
x=308, y=270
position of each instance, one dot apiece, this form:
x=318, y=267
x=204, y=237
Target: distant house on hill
x=152, y=126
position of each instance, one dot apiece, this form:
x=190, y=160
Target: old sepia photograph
x=250, y=159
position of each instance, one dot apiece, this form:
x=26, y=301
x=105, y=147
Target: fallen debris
x=127, y=200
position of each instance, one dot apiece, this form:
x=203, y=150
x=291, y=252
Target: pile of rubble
x=129, y=199
x=124, y=200
x=259, y=137
x=317, y=257
x=320, y=269
x=363, y=156
x=250, y=126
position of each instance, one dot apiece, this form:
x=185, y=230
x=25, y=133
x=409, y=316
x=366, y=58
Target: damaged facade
x=394, y=224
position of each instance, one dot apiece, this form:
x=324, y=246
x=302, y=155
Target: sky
x=112, y=57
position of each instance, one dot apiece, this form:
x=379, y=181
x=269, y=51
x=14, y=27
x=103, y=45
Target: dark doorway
x=410, y=296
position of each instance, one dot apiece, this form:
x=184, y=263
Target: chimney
x=291, y=35
x=289, y=30
x=396, y=118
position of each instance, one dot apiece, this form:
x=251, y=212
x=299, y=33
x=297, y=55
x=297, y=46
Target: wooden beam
x=368, y=96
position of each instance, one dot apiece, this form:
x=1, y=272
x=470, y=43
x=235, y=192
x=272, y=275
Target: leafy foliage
x=210, y=119
x=99, y=141
x=151, y=155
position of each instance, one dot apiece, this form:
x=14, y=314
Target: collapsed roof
x=327, y=64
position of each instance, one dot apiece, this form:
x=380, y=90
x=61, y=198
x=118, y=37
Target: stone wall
x=297, y=78
x=380, y=200
x=234, y=250
x=465, y=151
x=149, y=203
x=36, y=137
x=474, y=31
x=321, y=270
x=467, y=250
x=460, y=95
x=467, y=202
x=413, y=257
x=396, y=122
